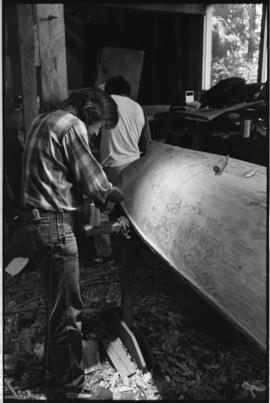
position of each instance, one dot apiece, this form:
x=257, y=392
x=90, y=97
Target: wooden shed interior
x=170, y=40
x=52, y=49
x=162, y=49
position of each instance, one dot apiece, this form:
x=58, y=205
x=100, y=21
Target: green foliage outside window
x=236, y=30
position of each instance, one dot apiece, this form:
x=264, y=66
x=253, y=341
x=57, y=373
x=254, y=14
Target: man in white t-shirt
x=122, y=145
x=128, y=140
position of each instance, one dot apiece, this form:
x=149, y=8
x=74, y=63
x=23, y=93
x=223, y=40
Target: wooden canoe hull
x=210, y=228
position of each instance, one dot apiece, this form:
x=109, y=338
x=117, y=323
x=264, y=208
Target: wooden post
x=12, y=70
x=52, y=46
x=28, y=68
x=127, y=255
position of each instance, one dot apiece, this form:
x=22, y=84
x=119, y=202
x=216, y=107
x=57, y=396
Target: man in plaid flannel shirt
x=58, y=170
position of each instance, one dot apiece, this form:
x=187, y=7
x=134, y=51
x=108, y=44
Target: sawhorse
x=121, y=323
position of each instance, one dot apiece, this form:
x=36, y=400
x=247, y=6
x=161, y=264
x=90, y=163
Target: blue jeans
x=56, y=256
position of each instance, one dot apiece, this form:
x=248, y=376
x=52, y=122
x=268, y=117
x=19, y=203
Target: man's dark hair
x=92, y=105
x=118, y=86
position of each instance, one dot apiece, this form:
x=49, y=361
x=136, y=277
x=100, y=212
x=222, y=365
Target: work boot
x=103, y=259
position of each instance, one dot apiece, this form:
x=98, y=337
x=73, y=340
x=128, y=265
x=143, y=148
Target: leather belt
x=36, y=214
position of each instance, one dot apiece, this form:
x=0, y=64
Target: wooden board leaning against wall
x=210, y=228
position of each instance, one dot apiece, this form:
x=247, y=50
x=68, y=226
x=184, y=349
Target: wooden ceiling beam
x=184, y=8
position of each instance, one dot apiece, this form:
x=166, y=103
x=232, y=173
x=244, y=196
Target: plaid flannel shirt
x=58, y=166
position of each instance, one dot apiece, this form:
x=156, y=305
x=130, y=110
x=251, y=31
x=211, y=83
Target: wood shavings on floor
x=195, y=356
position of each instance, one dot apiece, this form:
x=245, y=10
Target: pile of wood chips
x=190, y=360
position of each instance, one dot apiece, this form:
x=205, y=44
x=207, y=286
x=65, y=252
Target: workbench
x=198, y=124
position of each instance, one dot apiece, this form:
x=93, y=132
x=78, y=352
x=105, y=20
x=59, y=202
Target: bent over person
x=120, y=146
x=58, y=170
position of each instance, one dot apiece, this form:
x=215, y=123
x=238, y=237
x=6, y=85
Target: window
x=263, y=67
x=232, y=36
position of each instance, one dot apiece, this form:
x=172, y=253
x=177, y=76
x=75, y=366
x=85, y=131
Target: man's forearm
x=145, y=137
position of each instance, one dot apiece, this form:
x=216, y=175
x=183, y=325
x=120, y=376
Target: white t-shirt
x=121, y=142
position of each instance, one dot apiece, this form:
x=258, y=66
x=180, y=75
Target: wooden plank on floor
x=119, y=358
x=121, y=329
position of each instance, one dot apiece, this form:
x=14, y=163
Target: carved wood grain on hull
x=210, y=228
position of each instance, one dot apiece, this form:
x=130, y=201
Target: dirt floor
x=192, y=353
